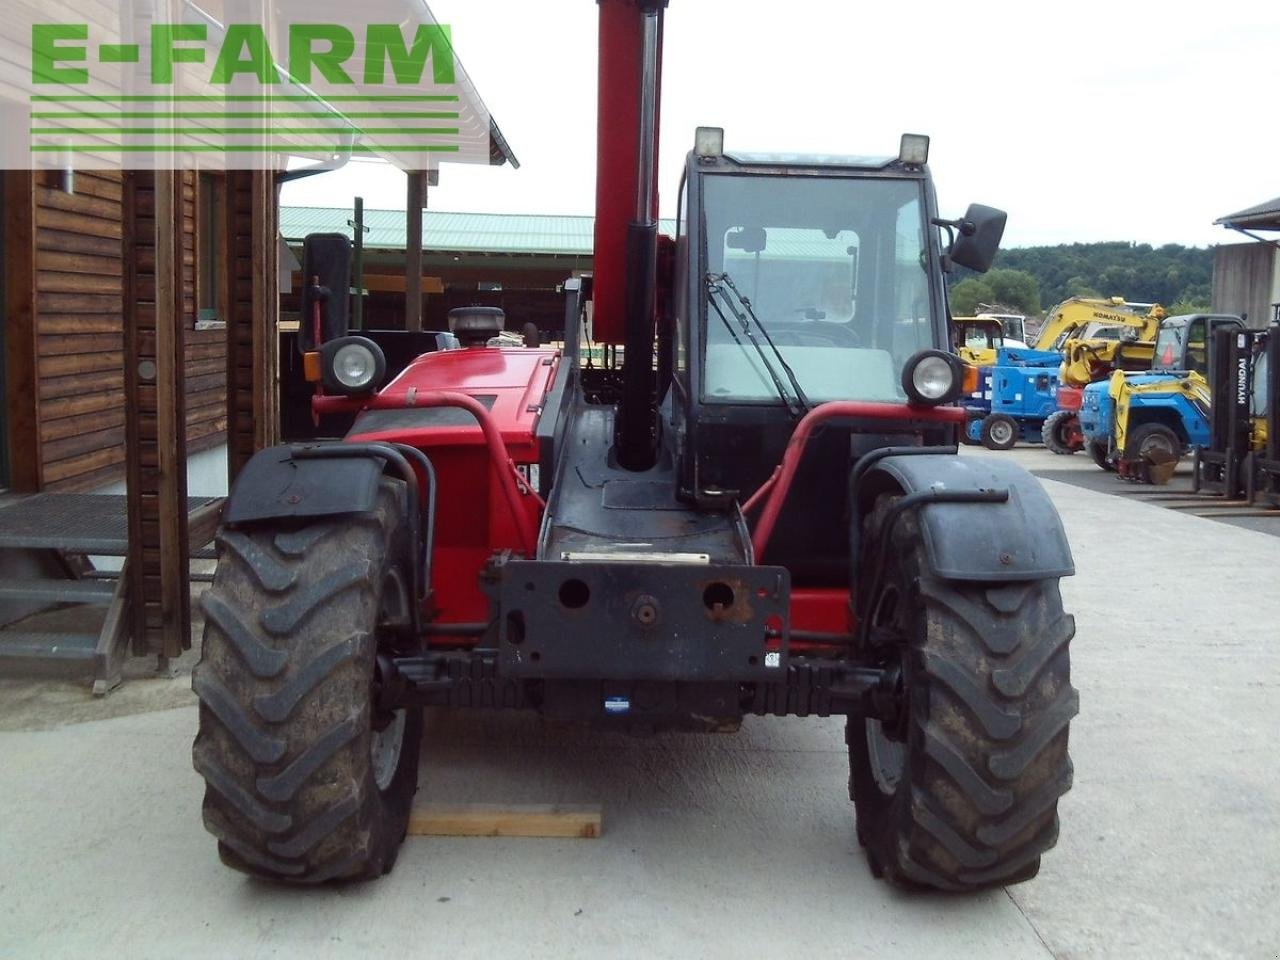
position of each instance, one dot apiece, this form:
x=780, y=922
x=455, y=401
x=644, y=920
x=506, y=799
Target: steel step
x=72, y=656
x=59, y=591
x=92, y=523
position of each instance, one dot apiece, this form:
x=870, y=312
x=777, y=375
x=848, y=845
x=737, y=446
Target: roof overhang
x=1262, y=216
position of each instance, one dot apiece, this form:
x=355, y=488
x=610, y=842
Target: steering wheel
x=811, y=334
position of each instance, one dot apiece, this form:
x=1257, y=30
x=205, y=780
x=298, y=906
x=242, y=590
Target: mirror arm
x=949, y=226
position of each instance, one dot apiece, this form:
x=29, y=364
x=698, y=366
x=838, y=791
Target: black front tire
x=306, y=779
x=1150, y=449
x=981, y=741
x=1101, y=455
x=1000, y=432
x=1061, y=432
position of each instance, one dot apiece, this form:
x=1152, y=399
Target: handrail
x=774, y=490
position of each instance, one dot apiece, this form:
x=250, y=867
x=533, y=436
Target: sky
x=1122, y=120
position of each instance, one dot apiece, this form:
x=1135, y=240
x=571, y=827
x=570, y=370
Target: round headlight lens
x=354, y=366
x=933, y=378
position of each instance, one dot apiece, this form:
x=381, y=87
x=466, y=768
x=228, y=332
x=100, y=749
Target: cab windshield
x=835, y=271
x=1181, y=346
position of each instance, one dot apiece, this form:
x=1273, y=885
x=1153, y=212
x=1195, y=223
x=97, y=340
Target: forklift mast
x=618, y=122
x=626, y=225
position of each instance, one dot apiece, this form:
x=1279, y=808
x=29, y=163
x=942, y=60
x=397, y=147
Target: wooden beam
x=395, y=283
x=496, y=820
x=266, y=309
x=415, y=200
x=171, y=420
x=22, y=394
x=155, y=414
x=253, y=410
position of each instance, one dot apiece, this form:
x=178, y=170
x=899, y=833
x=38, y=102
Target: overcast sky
x=1120, y=120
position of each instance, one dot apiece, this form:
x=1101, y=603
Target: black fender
x=297, y=481
x=1019, y=539
x=277, y=485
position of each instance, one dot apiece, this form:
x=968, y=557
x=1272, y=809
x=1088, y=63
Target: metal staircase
x=72, y=527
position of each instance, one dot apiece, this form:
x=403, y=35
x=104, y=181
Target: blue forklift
x=1014, y=398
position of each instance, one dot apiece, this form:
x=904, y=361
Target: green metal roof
x=455, y=232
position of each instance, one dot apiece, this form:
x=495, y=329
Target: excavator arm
x=1075, y=314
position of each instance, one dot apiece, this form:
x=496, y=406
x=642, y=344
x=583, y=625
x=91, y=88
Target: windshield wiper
x=777, y=384
x=722, y=284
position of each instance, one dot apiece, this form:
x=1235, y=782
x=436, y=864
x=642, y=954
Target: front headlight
x=932, y=377
x=352, y=365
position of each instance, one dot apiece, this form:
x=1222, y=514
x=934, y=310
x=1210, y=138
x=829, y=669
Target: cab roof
x=810, y=160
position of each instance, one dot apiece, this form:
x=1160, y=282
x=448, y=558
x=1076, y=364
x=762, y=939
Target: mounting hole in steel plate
x=718, y=594
x=515, y=627
x=574, y=594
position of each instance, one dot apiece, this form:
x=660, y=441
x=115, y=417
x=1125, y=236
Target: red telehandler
x=764, y=514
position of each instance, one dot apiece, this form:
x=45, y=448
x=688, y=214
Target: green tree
x=1139, y=271
x=1014, y=288
x=1078, y=286
x=967, y=294
x=1179, y=307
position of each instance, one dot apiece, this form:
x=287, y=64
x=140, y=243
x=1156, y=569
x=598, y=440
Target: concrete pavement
x=726, y=846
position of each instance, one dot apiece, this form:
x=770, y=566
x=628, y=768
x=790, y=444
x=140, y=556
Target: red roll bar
x=774, y=490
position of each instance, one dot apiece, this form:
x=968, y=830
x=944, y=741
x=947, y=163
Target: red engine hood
x=510, y=381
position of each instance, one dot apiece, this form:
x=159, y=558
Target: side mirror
x=748, y=239
x=978, y=237
x=326, y=282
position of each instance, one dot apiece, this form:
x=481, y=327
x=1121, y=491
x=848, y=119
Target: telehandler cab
x=764, y=515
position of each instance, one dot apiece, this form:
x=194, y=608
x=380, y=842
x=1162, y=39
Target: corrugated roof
x=1263, y=216
x=455, y=232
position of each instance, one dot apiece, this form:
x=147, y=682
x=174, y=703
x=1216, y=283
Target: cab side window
x=1197, y=347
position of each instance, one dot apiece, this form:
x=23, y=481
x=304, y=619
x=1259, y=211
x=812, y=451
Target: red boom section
x=617, y=154
x=474, y=413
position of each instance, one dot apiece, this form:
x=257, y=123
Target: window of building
x=211, y=237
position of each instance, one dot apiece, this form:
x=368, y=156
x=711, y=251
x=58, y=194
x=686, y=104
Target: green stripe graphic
x=239, y=115
x=233, y=148
x=238, y=131
x=241, y=98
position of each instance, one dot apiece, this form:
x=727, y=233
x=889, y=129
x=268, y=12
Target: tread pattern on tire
x=987, y=736
x=989, y=424
x=283, y=683
x=1049, y=432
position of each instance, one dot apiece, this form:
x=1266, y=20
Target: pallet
x=497, y=820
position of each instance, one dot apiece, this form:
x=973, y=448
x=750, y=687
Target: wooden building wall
x=1246, y=279
x=76, y=334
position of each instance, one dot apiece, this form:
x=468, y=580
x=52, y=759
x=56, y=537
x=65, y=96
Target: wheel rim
x=887, y=758
x=385, y=746
x=886, y=755
x=1001, y=432
x=1156, y=443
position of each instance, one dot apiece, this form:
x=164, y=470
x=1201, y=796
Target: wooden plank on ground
x=505, y=820
x=1241, y=512
x=1203, y=504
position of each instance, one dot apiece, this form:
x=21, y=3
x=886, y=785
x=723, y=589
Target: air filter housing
x=475, y=326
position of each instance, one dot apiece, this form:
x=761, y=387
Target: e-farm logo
x=187, y=90
x=322, y=49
